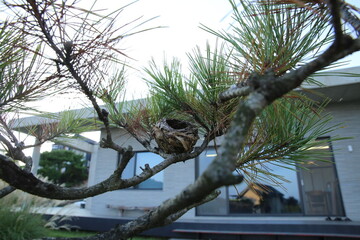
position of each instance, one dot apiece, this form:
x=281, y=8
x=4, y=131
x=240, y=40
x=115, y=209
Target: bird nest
x=175, y=136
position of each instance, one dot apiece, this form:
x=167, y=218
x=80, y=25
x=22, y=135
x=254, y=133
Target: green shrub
x=63, y=167
x=21, y=216
x=19, y=223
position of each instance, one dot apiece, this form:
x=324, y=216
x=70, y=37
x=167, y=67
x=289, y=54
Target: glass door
x=320, y=187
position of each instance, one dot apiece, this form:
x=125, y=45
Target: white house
x=322, y=202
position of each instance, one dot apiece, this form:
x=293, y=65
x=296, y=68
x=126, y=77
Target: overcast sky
x=181, y=34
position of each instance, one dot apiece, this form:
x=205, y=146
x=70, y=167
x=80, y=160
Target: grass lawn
x=69, y=234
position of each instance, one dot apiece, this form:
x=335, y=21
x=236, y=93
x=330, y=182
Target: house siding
x=348, y=162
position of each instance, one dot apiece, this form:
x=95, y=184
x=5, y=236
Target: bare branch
x=125, y=158
x=26, y=181
x=28, y=164
x=294, y=78
x=195, y=193
x=9, y=189
x=86, y=57
x=6, y=191
x=234, y=92
x=336, y=19
x=172, y=218
x=8, y=131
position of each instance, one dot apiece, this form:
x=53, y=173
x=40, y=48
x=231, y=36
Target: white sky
x=182, y=33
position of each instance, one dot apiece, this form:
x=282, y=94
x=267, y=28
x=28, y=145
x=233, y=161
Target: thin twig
x=234, y=92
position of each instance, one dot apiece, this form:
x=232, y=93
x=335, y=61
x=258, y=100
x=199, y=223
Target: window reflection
x=266, y=197
x=139, y=161
x=320, y=186
x=156, y=181
x=261, y=198
x=311, y=189
x=217, y=206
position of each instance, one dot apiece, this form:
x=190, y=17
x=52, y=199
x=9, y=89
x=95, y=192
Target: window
x=266, y=198
x=134, y=168
x=320, y=187
x=57, y=147
x=217, y=206
x=309, y=192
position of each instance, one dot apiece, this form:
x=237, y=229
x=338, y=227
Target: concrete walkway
x=71, y=210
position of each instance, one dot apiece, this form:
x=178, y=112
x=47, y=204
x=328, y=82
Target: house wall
x=348, y=162
x=180, y=175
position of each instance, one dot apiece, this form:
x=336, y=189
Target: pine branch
x=24, y=180
x=6, y=191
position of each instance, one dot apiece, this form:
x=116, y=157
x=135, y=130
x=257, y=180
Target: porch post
x=35, y=158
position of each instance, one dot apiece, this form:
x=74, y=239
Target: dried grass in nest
x=175, y=136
